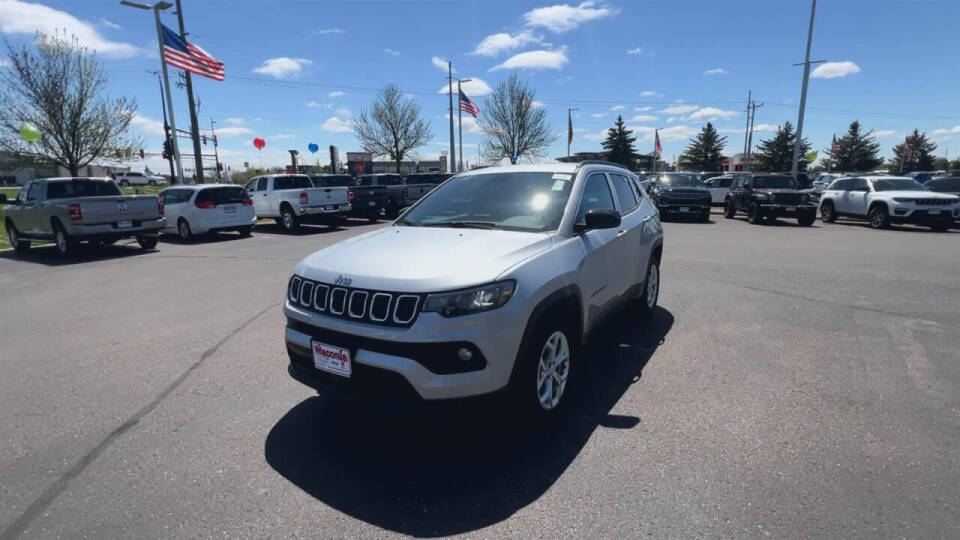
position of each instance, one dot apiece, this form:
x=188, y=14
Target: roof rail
x=599, y=162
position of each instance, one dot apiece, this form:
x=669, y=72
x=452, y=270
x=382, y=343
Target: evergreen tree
x=776, y=154
x=856, y=151
x=919, y=157
x=619, y=145
x=705, y=150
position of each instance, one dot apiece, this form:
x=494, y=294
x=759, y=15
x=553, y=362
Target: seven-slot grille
x=934, y=202
x=377, y=307
x=686, y=196
x=787, y=198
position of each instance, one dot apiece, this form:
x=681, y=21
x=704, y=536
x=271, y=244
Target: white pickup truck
x=133, y=178
x=291, y=199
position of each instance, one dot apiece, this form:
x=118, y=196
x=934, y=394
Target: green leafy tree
x=705, y=150
x=941, y=164
x=856, y=150
x=916, y=153
x=619, y=145
x=776, y=154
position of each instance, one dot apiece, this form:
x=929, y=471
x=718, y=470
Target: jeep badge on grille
x=343, y=281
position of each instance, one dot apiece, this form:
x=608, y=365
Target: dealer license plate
x=230, y=209
x=933, y=212
x=372, y=203
x=790, y=208
x=332, y=359
x=330, y=207
x=684, y=208
x=124, y=224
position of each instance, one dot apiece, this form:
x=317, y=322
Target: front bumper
x=783, y=210
x=924, y=216
x=111, y=230
x=418, y=363
x=691, y=208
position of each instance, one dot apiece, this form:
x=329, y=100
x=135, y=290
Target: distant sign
x=359, y=156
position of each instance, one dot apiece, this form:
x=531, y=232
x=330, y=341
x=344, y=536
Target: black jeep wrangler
x=766, y=196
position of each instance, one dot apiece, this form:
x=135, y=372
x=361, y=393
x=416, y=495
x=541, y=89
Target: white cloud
x=617, y=108
x=391, y=52
x=18, y=17
x=536, y=103
x=147, y=125
x=712, y=113
x=235, y=121
x=282, y=67
x=763, y=128
x=318, y=105
x=470, y=124
x=440, y=63
x=670, y=134
x=343, y=112
x=564, y=17
x=884, y=132
x=110, y=24
x=645, y=108
x=598, y=115
x=234, y=131
x=282, y=136
x=832, y=70
x=671, y=119
x=644, y=118
x=596, y=136
x=495, y=44
x=325, y=31
x=4, y=63
x=947, y=131
x=715, y=71
x=336, y=94
x=679, y=109
x=336, y=124
x=635, y=50
x=535, y=60
x=650, y=93
x=473, y=87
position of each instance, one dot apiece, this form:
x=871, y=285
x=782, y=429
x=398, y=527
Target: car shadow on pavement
x=205, y=238
x=456, y=473
x=903, y=228
x=780, y=222
x=47, y=254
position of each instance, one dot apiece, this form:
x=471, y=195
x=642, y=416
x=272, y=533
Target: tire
x=754, y=214
x=729, y=209
x=705, y=217
x=147, y=241
x=183, y=230
x=152, y=183
x=66, y=245
x=245, y=231
x=124, y=183
x=879, y=217
x=373, y=218
x=19, y=246
x=940, y=227
x=827, y=212
x=541, y=386
x=806, y=220
x=650, y=293
x=288, y=220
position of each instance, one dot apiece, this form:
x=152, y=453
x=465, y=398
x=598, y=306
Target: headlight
x=764, y=196
x=467, y=301
x=805, y=197
x=902, y=199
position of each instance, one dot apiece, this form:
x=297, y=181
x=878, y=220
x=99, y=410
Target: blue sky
x=296, y=72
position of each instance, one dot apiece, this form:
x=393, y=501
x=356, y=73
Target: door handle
x=621, y=232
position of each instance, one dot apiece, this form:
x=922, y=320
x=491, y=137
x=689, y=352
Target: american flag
x=189, y=57
x=834, y=148
x=468, y=106
x=656, y=142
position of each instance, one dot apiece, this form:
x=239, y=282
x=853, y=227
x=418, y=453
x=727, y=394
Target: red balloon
x=259, y=143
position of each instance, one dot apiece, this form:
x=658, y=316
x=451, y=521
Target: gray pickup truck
x=404, y=191
x=70, y=210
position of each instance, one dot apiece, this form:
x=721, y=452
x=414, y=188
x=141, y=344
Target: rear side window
x=222, y=195
x=391, y=180
x=596, y=194
x=944, y=185
x=840, y=185
x=81, y=188
x=292, y=182
x=176, y=196
x=365, y=181
x=626, y=196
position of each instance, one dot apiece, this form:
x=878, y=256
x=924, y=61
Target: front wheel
x=806, y=219
x=754, y=215
x=152, y=183
x=183, y=230
x=940, y=227
x=730, y=210
x=542, y=382
x=19, y=246
x=879, y=217
x=147, y=241
x=245, y=231
x=124, y=183
x=827, y=213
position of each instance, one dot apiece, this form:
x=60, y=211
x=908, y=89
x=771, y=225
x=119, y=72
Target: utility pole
x=216, y=155
x=803, y=92
x=746, y=130
x=453, y=151
x=753, y=114
x=194, y=125
x=166, y=84
x=166, y=126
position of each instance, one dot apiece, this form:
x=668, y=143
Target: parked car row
x=886, y=200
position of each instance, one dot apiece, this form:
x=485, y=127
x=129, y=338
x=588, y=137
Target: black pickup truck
x=366, y=201
x=766, y=196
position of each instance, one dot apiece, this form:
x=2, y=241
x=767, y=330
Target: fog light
x=465, y=354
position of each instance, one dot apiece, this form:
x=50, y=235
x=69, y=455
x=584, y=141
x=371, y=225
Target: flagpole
x=460, y=122
x=655, y=137
x=453, y=152
x=166, y=86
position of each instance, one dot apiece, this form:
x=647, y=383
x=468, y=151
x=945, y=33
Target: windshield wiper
x=463, y=224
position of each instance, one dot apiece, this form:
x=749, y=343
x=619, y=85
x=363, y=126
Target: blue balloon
x=312, y=147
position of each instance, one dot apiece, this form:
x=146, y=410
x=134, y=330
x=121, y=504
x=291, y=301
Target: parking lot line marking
x=38, y=506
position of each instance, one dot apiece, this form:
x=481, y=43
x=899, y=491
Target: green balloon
x=29, y=133
x=811, y=156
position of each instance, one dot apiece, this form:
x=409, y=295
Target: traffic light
x=167, y=149
x=219, y=166
x=141, y=153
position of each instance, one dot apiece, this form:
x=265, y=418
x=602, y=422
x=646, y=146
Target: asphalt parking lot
x=795, y=382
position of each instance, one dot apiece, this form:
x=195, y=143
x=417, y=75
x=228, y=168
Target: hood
x=776, y=190
x=917, y=194
x=695, y=190
x=422, y=259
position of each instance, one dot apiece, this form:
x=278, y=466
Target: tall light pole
x=460, y=119
x=194, y=126
x=453, y=152
x=157, y=8
x=216, y=155
x=166, y=126
x=803, y=93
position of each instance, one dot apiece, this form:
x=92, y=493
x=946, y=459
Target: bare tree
x=392, y=127
x=513, y=124
x=59, y=87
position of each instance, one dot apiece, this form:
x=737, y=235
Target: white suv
x=883, y=200
x=491, y=282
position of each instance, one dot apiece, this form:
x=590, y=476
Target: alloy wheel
x=653, y=285
x=553, y=370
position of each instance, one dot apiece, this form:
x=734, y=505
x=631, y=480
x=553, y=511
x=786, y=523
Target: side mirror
x=600, y=218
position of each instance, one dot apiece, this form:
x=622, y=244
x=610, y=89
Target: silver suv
x=490, y=283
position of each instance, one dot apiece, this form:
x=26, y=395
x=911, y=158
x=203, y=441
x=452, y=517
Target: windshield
x=944, y=185
x=680, y=180
x=292, y=182
x=773, y=182
x=898, y=184
x=521, y=201
x=81, y=188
